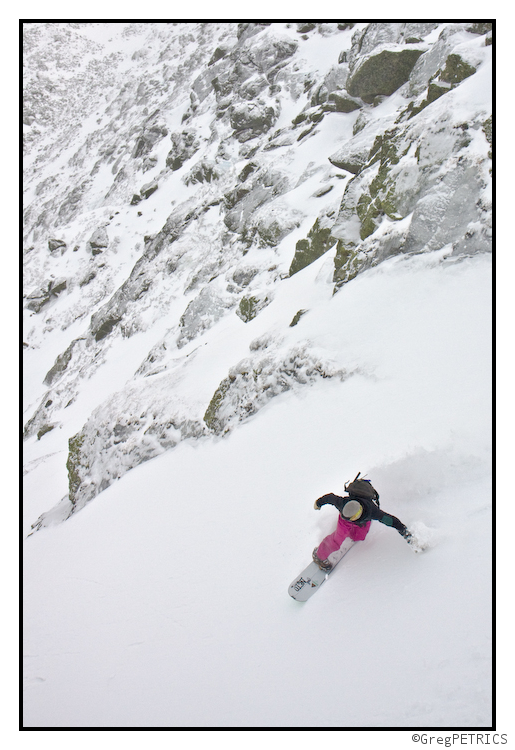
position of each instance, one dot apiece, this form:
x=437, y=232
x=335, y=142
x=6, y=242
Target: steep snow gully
x=256, y=261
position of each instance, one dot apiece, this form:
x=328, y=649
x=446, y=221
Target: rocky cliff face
x=177, y=174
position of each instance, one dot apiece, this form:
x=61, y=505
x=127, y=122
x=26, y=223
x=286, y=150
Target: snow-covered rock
x=257, y=379
x=213, y=161
x=256, y=262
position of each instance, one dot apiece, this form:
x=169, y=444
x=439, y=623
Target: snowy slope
x=164, y=602
x=178, y=427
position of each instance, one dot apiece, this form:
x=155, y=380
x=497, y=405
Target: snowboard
x=311, y=579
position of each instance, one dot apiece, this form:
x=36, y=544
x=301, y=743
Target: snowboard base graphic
x=310, y=580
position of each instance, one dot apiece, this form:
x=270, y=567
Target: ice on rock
x=182, y=409
x=263, y=166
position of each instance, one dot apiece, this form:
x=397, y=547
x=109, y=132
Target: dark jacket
x=370, y=512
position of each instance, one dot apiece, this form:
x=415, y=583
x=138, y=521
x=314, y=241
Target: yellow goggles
x=354, y=508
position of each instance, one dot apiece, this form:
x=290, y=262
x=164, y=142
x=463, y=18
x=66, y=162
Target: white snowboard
x=311, y=578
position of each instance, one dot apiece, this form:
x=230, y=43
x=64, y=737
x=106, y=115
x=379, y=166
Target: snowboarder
x=357, y=511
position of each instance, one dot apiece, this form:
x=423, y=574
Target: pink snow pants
x=344, y=530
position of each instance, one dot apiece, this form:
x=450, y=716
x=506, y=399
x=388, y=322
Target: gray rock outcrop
x=98, y=241
x=265, y=157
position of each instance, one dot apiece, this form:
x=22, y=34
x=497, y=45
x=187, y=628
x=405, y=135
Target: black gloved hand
x=330, y=499
x=413, y=542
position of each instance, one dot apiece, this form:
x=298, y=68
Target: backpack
x=361, y=488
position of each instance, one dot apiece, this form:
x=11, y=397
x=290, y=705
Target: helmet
x=352, y=510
